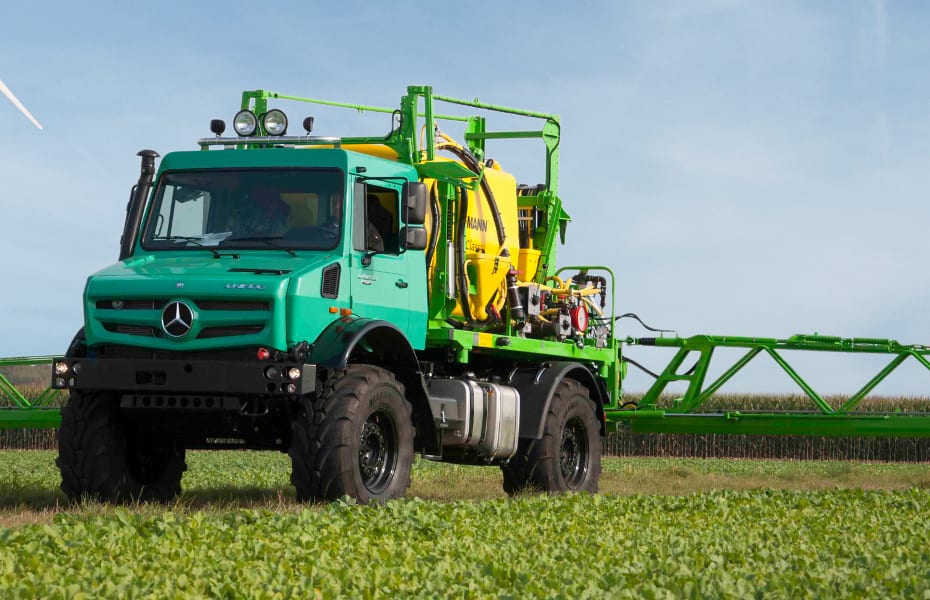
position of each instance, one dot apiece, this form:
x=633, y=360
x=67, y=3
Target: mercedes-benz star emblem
x=177, y=319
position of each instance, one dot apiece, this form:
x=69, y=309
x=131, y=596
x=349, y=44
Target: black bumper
x=130, y=375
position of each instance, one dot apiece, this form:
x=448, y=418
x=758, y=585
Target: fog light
x=61, y=368
x=59, y=382
x=289, y=388
x=275, y=122
x=245, y=123
x=293, y=373
x=273, y=373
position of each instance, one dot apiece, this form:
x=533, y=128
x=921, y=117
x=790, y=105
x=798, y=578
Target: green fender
x=380, y=343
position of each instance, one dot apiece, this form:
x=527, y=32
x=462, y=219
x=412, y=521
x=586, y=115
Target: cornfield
x=626, y=443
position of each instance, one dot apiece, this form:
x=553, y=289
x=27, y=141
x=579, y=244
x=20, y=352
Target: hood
x=200, y=265
x=224, y=301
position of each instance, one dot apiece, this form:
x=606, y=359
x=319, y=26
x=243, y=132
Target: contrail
x=6, y=92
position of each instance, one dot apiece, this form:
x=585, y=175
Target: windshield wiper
x=265, y=239
x=197, y=242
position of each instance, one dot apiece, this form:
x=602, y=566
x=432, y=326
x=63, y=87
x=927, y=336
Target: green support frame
x=685, y=416
x=25, y=413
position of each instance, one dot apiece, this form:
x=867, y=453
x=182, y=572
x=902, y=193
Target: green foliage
x=720, y=544
x=237, y=531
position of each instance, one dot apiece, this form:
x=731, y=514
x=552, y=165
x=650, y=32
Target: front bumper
x=130, y=375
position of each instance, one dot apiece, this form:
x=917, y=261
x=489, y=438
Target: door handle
x=400, y=283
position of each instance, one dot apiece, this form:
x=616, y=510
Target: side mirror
x=415, y=238
x=417, y=196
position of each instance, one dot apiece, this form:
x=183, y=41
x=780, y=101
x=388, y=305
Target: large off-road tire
x=354, y=438
x=568, y=456
x=100, y=460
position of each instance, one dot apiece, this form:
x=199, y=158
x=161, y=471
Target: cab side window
x=381, y=213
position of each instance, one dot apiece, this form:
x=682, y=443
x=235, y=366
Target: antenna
x=6, y=92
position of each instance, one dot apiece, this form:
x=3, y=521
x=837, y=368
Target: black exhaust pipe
x=137, y=203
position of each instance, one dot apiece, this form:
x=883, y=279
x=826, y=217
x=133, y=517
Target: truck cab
x=264, y=248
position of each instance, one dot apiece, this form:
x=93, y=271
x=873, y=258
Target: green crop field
x=661, y=528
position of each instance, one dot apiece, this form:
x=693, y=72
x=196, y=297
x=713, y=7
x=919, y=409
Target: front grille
x=251, y=314
x=142, y=330
x=117, y=304
x=158, y=304
x=231, y=305
x=229, y=330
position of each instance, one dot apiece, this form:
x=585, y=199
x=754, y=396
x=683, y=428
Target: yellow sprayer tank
x=486, y=265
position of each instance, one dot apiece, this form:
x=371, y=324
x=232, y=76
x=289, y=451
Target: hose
x=636, y=317
x=461, y=283
x=469, y=160
x=434, y=230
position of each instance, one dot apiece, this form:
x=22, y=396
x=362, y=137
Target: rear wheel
x=568, y=456
x=355, y=438
x=100, y=460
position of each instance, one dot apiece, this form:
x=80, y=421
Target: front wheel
x=100, y=460
x=355, y=438
x=568, y=456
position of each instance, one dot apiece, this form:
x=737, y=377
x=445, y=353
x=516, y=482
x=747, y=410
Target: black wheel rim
x=377, y=452
x=573, y=453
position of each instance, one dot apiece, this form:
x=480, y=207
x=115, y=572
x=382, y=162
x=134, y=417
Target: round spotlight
x=289, y=388
x=60, y=382
x=245, y=123
x=76, y=368
x=61, y=368
x=293, y=373
x=275, y=122
x=272, y=373
x=217, y=126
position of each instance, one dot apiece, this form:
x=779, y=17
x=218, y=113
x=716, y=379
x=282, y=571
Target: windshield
x=246, y=209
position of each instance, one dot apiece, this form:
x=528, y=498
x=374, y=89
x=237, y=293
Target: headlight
x=275, y=122
x=293, y=373
x=61, y=368
x=245, y=123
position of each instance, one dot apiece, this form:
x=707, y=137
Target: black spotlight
x=217, y=126
x=308, y=124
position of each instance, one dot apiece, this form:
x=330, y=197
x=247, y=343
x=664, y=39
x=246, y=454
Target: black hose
x=434, y=232
x=640, y=367
x=636, y=317
x=472, y=163
x=656, y=375
x=460, y=281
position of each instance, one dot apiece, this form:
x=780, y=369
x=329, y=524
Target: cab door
x=380, y=282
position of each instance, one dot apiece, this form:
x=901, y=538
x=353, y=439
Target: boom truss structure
x=687, y=413
x=687, y=416
x=21, y=412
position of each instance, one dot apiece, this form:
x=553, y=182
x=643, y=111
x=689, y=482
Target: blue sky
x=746, y=168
